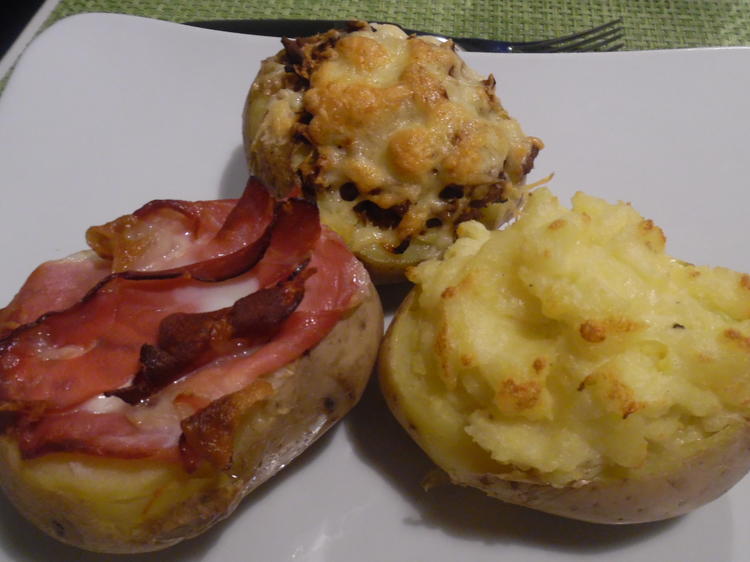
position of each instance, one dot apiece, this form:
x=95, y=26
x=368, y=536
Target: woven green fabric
x=648, y=24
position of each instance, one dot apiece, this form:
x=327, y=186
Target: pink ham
x=200, y=237
x=54, y=285
x=53, y=368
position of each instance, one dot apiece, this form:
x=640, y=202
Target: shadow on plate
x=466, y=513
x=21, y=541
x=391, y=296
x=234, y=177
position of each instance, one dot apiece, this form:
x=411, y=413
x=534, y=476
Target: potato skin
x=310, y=395
x=650, y=497
x=676, y=488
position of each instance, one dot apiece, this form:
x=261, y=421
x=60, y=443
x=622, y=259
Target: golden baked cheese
x=569, y=347
x=395, y=136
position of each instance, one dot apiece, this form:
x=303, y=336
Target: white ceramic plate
x=105, y=112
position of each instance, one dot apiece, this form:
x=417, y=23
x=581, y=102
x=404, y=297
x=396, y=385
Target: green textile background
x=648, y=24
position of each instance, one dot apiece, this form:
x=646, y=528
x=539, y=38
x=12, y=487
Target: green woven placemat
x=648, y=24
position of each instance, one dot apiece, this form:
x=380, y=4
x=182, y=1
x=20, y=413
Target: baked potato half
x=568, y=364
x=149, y=385
x=140, y=505
x=394, y=136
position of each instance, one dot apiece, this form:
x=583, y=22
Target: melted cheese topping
x=397, y=137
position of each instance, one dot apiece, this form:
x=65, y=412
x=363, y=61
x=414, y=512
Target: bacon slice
x=338, y=280
x=187, y=341
x=338, y=284
x=100, y=336
x=216, y=238
x=54, y=285
x=169, y=234
x=98, y=434
x=296, y=231
x=178, y=338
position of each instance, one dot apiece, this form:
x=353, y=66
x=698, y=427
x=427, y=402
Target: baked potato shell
x=130, y=506
x=670, y=487
x=420, y=137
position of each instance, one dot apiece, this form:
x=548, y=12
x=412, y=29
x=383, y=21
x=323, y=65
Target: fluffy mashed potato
x=570, y=347
x=396, y=138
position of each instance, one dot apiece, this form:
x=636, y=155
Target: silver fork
x=606, y=37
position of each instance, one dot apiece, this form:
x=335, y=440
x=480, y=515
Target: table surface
x=648, y=24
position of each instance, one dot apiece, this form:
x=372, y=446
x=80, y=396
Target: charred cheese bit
x=394, y=136
x=570, y=346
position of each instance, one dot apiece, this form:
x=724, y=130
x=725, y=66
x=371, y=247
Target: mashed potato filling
x=570, y=346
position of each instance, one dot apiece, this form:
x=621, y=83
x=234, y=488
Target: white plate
x=105, y=112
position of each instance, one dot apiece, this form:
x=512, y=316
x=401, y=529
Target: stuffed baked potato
x=394, y=136
x=139, y=505
x=222, y=398
x=568, y=364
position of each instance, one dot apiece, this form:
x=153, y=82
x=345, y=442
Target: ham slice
x=183, y=306
x=54, y=285
x=162, y=234
x=95, y=433
x=185, y=341
x=210, y=240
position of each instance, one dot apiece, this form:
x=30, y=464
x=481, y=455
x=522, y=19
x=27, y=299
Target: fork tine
x=615, y=47
x=611, y=43
x=588, y=40
x=593, y=43
x=616, y=23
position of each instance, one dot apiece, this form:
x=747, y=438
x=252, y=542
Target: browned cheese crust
x=282, y=414
x=394, y=136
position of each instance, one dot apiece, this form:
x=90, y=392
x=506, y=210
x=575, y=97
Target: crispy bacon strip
x=339, y=280
x=188, y=341
x=328, y=293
